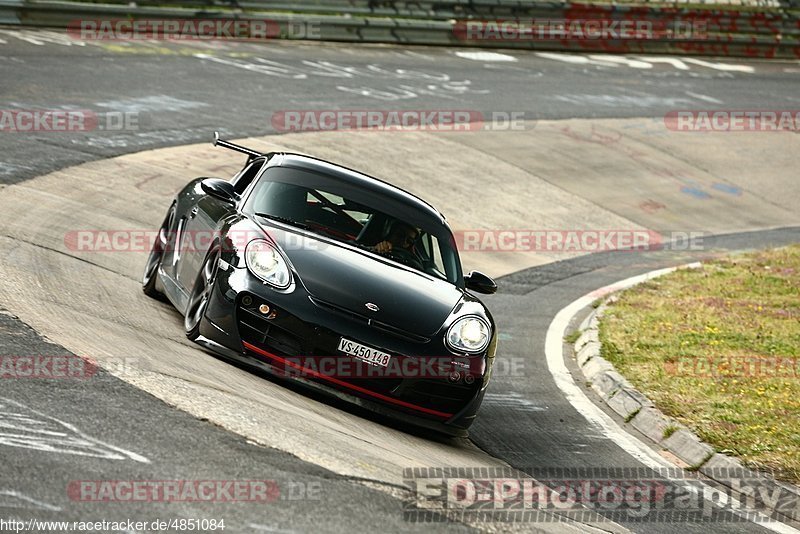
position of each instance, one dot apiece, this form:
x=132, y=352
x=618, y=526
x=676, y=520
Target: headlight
x=469, y=334
x=264, y=261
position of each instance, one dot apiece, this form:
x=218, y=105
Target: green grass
x=572, y=337
x=718, y=349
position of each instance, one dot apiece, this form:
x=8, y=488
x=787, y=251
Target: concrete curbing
x=652, y=423
x=630, y=403
x=637, y=410
x=688, y=447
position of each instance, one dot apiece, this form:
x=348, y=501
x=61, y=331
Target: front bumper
x=298, y=337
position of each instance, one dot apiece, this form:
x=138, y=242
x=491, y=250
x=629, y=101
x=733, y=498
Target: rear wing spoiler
x=251, y=154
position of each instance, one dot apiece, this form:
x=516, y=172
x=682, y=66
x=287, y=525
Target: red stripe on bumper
x=315, y=374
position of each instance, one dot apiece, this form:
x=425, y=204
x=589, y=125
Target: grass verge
x=718, y=349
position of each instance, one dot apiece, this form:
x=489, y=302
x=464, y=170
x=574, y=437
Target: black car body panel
x=341, y=290
x=326, y=270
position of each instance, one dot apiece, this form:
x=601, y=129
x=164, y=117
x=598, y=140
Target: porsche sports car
x=327, y=276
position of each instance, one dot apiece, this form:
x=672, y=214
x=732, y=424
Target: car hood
x=349, y=278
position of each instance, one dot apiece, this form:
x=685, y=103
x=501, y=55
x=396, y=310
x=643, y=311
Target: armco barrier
x=768, y=33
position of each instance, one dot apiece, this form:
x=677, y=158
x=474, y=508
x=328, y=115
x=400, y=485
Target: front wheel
x=156, y=257
x=201, y=293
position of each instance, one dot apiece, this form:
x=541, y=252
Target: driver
x=401, y=236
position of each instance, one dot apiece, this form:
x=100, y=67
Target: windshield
x=358, y=216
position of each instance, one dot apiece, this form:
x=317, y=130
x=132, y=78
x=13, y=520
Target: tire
x=153, y=264
x=201, y=293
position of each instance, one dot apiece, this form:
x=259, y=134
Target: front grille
x=256, y=329
x=289, y=337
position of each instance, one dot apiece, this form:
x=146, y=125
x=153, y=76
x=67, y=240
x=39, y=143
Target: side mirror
x=220, y=189
x=480, y=283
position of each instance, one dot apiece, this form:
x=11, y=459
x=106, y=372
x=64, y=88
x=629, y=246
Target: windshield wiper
x=283, y=220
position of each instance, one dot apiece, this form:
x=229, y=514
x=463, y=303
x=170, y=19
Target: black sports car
x=325, y=275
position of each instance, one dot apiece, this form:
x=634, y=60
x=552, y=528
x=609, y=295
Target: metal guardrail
x=769, y=33
x=442, y=8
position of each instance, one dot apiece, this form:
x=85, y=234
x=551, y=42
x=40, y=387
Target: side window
x=438, y=259
x=431, y=253
x=246, y=175
x=424, y=246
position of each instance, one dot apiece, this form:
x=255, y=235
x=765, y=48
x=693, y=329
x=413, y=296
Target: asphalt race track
x=591, y=153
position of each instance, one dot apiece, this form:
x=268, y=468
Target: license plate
x=364, y=353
